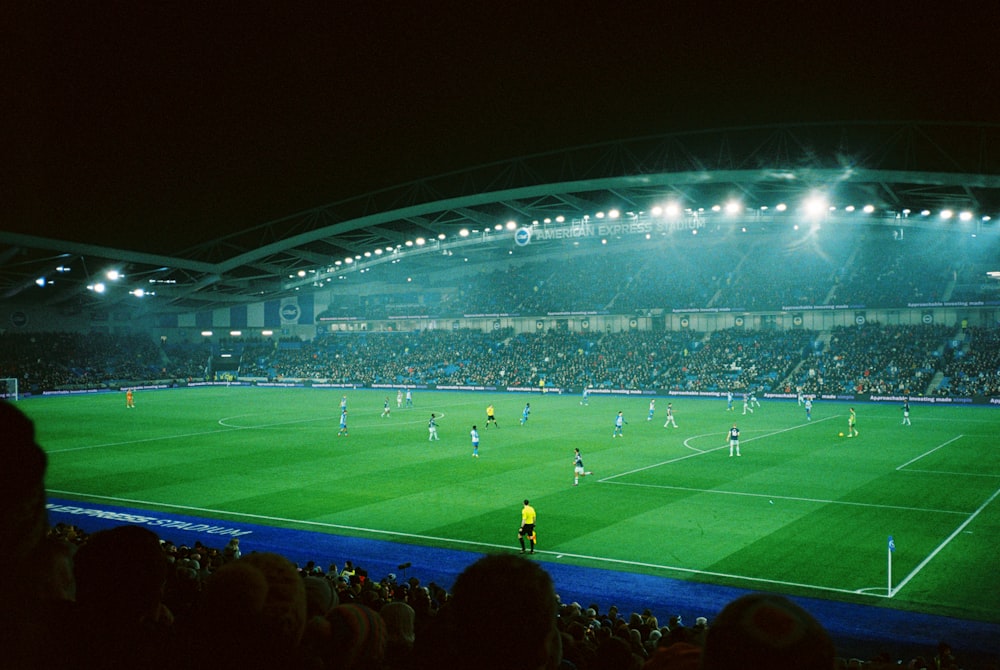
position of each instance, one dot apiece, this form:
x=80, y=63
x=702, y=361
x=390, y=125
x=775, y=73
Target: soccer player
x=652, y=408
x=409, y=398
x=343, y=404
x=753, y=399
x=525, y=412
x=585, y=398
x=129, y=399
x=578, y=470
x=734, y=440
x=798, y=395
x=527, y=529
x=809, y=408
x=619, y=423
x=343, y=423
x=491, y=418
x=746, y=403
x=729, y=401
x=399, y=398
x=852, y=424
x=432, y=429
x=670, y=416
x=385, y=408
x=906, y=412
x=475, y=442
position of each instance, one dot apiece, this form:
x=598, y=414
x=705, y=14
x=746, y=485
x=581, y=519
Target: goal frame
x=9, y=389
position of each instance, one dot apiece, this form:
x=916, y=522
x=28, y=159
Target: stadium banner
x=289, y=310
x=860, y=318
x=796, y=320
x=927, y=317
x=238, y=316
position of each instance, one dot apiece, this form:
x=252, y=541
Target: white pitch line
x=940, y=547
x=699, y=453
x=466, y=543
x=226, y=428
x=950, y=473
x=928, y=453
x=793, y=498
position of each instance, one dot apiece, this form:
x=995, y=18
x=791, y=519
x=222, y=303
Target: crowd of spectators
x=878, y=359
x=930, y=359
x=754, y=272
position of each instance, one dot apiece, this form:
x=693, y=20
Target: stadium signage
x=143, y=519
x=577, y=230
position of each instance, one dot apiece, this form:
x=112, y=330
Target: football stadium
x=671, y=371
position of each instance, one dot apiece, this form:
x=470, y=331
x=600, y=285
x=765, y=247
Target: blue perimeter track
x=860, y=631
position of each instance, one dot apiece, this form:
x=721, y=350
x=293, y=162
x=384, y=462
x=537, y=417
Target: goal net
x=8, y=388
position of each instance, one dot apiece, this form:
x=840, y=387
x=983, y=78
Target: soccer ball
x=840, y=434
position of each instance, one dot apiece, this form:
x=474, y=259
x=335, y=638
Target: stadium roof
x=213, y=156
x=906, y=174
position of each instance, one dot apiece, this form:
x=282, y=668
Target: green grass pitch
x=802, y=511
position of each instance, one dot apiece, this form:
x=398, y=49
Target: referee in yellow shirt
x=527, y=529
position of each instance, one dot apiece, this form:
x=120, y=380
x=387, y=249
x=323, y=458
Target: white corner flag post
x=892, y=548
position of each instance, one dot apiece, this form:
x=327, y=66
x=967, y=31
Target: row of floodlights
x=101, y=287
x=236, y=333
x=813, y=207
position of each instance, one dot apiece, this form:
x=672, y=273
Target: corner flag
x=892, y=544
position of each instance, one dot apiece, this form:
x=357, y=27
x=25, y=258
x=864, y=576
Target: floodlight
x=301, y=273
x=368, y=254
x=781, y=207
x=511, y=225
x=815, y=205
x=138, y=293
x=62, y=268
x=560, y=218
x=267, y=333
x=849, y=208
x=673, y=209
x=421, y=241
x=409, y=243
x=925, y=212
x=235, y=333
x=348, y=260
x=206, y=333
x=378, y=252
x=869, y=209
x=987, y=218
x=441, y=236
x=716, y=208
x=114, y=275
x=965, y=216
x=656, y=211
x=733, y=207
x=546, y=220
x=599, y=215
x=947, y=214
x=614, y=214
x=99, y=287
x=40, y=281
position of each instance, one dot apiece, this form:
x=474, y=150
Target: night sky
x=157, y=126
